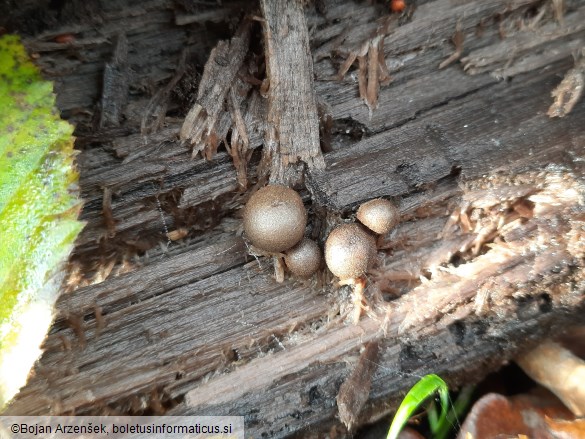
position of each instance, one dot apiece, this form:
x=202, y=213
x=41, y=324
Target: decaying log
x=486, y=262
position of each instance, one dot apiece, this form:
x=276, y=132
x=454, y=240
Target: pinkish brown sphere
x=275, y=218
x=349, y=251
x=304, y=259
x=378, y=215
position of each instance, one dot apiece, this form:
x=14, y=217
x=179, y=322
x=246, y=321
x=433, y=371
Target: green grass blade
x=444, y=425
x=426, y=387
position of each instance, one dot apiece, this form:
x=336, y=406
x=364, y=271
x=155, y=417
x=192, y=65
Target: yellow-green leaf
x=39, y=206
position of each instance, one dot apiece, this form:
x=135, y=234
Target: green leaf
x=442, y=426
x=39, y=206
x=416, y=396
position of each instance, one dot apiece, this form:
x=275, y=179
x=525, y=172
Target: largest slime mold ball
x=275, y=218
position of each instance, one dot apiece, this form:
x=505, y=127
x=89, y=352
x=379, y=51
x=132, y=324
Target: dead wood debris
x=325, y=126
x=488, y=213
x=355, y=390
x=200, y=129
x=292, y=134
x=65, y=41
x=156, y=110
x=239, y=145
x=476, y=223
x=77, y=325
x=372, y=68
x=115, y=85
x=228, y=108
x=457, y=40
x=178, y=234
x=527, y=234
x=570, y=90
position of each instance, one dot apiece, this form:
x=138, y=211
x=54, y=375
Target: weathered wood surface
x=292, y=136
x=198, y=327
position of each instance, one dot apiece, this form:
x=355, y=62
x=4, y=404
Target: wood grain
x=200, y=327
x=293, y=133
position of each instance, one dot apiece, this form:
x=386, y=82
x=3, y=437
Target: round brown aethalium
x=378, y=215
x=275, y=218
x=304, y=259
x=349, y=251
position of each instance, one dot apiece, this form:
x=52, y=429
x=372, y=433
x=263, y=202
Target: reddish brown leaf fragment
x=495, y=415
